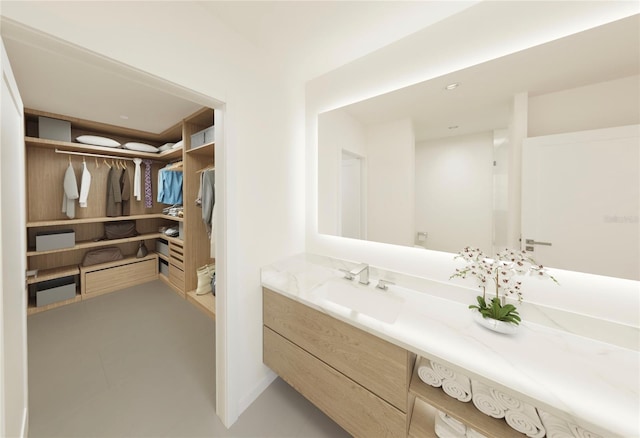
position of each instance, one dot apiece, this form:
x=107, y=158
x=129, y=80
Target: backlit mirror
x=538, y=149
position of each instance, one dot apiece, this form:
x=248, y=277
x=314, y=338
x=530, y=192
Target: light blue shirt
x=169, y=186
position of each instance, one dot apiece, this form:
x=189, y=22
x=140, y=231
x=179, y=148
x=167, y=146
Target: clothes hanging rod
x=86, y=154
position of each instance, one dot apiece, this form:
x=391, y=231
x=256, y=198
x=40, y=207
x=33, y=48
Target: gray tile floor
x=141, y=363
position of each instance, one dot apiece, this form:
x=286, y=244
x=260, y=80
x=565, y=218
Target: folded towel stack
x=525, y=420
x=427, y=374
x=449, y=427
x=558, y=428
x=484, y=401
x=454, y=384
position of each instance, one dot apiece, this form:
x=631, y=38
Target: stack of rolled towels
x=521, y=416
x=454, y=384
x=449, y=427
x=559, y=428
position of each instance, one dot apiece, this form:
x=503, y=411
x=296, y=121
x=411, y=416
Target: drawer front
x=120, y=277
x=176, y=254
x=176, y=276
x=378, y=365
x=355, y=409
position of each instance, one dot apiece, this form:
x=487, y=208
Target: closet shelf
x=172, y=239
x=464, y=412
x=53, y=273
x=206, y=150
x=92, y=220
x=114, y=152
x=94, y=244
x=32, y=309
x=206, y=303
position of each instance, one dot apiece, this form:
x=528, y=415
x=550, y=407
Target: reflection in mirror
x=527, y=147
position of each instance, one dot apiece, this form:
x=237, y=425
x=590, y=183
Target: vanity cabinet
x=357, y=379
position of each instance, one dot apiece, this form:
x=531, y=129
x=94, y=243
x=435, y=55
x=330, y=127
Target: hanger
x=105, y=162
x=97, y=165
x=205, y=169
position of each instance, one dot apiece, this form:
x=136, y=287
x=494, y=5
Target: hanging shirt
x=137, y=186
x=84, y=186
x=169, y=186
x=70, y=185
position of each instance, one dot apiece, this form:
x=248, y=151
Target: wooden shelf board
x=423, y=420
x=163, y=257
x=93, y=220
x=171, y=154
x=123, y=261
x=171, y=218
x=205, y=149
x=206, y=303
x=175, y=240
x=465, y=412
x=91, y=149
x=53, y=273
x=32, y=309
x=92, y=244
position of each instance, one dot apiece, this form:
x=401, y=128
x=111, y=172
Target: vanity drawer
x=357, y=410
x=378, y=365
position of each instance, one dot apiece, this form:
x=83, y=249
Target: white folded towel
x=428, y=374
x=454, y=384
x=472, y=433
x=444, y=430
x=484, y=401
x=525, y=420
x=579, y=432
x=505, y=399
x=555, y=427
x=458, y=426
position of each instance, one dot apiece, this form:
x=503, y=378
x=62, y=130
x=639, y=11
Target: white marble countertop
x=590, y=382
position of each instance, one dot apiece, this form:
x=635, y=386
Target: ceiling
x=56, y=77
x=482, y=101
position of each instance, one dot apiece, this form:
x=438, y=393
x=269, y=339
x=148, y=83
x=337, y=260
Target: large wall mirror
x=538, y=150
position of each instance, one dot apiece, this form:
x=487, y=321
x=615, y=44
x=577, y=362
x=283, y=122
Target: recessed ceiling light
x=452, y=86
x=123, y=117
x=454, y=127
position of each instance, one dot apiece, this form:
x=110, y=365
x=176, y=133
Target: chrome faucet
x=362, y=270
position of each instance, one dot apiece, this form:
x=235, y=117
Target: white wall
x=340, y=132
x=391, y=182
x=481, y=33
x=182, y=43
x=454, y=191
x=601, y=105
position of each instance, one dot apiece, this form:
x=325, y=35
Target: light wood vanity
x=369, y=386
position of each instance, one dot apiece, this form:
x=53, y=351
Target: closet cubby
x=46, y=164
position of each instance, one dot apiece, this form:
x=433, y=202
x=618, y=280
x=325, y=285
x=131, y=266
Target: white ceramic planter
x=507, y=328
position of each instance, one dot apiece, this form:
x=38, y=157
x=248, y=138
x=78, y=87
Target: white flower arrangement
x=502, y=272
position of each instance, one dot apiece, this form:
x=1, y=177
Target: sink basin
x=380, y=305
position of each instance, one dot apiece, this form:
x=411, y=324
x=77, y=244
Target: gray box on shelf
x=164, y=267
x=54, y=129
x=58, y=239
x=203, y=137
x=181, y=230
x=162, y=248
x=52, y=291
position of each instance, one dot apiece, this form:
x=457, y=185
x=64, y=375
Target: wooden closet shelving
x=44, y=173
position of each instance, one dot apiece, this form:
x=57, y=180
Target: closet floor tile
x=141, y=363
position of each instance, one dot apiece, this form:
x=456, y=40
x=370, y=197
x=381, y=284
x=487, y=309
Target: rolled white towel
x=454, y=384
x=444, y=430
x=506, y=400
x=580, y=432
x=428, y=374
x=484, y=401
x=458, y=426
x=472, y=433
x=525, y=420
x=555, y=427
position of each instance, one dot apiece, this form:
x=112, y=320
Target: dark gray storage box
x=54, y=129
x=58, y=239
x=203, y=137
x=162, y=248
x=52, y=291
x=164, y=267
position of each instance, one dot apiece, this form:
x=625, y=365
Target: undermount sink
x=378, y=304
